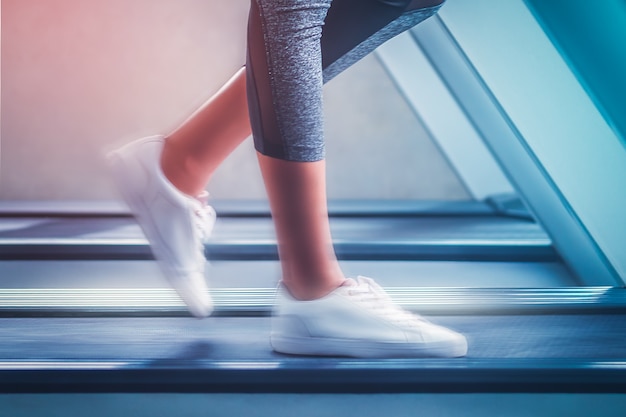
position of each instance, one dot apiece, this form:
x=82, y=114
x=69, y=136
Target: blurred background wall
x=82, y=76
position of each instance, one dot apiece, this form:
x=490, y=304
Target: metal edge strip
x=307, y=376
x=162, y=302
x=250, y=208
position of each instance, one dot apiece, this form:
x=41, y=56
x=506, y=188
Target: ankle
x=177, y=167
x=312, y=292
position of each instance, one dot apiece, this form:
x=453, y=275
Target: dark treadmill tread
x=383, y=238
x=384, y=228
x=257, y=208
x=556, y=353
x=597, y=336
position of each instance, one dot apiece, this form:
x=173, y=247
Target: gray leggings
x=294, y=46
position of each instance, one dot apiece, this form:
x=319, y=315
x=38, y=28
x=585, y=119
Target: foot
x=359, y=320
x=175, y=224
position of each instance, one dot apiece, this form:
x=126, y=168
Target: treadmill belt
x=162, y=340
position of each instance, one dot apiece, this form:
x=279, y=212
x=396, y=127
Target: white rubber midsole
x=366, y=349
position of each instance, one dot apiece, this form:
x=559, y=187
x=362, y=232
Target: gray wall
x=80, y=76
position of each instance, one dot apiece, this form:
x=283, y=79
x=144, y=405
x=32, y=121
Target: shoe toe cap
x=194, y=292
x=200, y=305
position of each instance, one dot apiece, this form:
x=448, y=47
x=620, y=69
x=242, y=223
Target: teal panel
x=549, y=134
x=592, y=38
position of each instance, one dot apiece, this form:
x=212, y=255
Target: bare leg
x=193, y=152
x=297, y=193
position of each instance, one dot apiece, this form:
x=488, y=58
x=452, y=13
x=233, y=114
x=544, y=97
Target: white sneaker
x=358, y=320
x=175, y=224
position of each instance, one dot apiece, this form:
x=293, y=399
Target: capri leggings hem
x=294, y=47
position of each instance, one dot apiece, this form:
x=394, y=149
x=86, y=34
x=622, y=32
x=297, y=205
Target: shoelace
x=373, y=297
x=204, y=218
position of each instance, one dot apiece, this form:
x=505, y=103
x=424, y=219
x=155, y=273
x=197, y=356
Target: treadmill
x=83, y=318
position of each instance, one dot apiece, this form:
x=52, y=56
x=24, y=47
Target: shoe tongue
x=203, y=197
x=349, y=282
